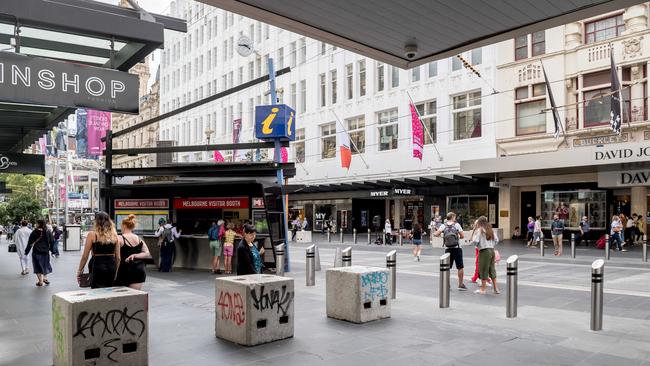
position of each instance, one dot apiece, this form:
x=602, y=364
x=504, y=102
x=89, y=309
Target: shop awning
x=75, y=31
x=412, y=182
x=385, y=29
x=243, y=170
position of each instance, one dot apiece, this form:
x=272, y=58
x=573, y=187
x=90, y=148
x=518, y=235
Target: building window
x=597, y=99
x=380, y=76
x=537, y=42
x=477, y=56
x=529, y=105
x=303, y=96
x=328, y=140
x=323, y=87
x=388, y=129
x=362, y=78
x=415, y=74
x=603, y=29
x=394, y=78
x=303, y=50
x=293, y=95
x=427, y=111
x=467, y=115
x=334, y=81
x=356, y=129
x=433, y=68
x=299, y=145
x=280, y=58
x=456, y=64
x=292, y=55
x=349, y=80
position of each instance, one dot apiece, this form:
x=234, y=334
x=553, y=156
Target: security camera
x=410, y=51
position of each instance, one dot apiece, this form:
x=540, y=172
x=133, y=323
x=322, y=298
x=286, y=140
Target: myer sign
x=395, y=192
x=35, y=80
x=624, y=178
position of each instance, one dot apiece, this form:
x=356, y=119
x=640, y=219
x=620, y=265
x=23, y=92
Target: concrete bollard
x=310, y=273
x=391, y=265
x=254, y=309
x=357, y=294
x=329, y=236
x=597, y=279
x=573, y=245
x=106, y=326
x=369, y=242
x=512, y=265
x=341, y=235
x=644, y=253
x=607, y=249
x=443, y=288
x=354, y=236
x=279, y=260
x=317, y=258
x=346, y=257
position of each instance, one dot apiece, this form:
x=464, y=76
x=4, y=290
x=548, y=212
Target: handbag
x=12, y=248
x=85, y=279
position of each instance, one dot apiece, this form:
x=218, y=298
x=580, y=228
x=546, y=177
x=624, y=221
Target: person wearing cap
x=249, y=259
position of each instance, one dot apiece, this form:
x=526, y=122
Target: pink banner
x=218, y=157
x=41, y=145
x=62, y=192
x=418, y=133
x=98, y=123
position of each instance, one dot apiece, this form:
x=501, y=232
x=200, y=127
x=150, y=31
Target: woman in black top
x=417, y=241
x=249, y=259
x=105, y=248
x=41, y=241
x=132, y=251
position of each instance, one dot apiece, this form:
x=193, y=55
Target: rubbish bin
x=72, y=238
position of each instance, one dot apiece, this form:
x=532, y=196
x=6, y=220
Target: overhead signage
x=622, y=154
x=36, y=80
x=275, y=121
x=141, y=204
x=403, y=191
x=393, y=192
x=22, y=163
x=601, y=140
x=210, y=203
x=499, y=185
x=629, y=178
x=379, y=194
x=258, y=202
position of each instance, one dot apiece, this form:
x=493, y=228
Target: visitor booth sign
x=275, y=121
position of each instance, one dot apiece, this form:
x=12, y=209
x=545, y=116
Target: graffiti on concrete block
x=280, y=300
x=231, y=307
x=116, y=322
x=59, y=335
x=373, y=285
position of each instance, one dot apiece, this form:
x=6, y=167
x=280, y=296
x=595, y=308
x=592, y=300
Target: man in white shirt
x=452, y=233
x=21, y=238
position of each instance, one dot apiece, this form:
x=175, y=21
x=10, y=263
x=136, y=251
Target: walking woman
x=530, y=228
x=485, y=239
x=132, y=251
x=249, y=259
x=102, y=243
x=41, y=241
x=417, y=241
x=615, y=234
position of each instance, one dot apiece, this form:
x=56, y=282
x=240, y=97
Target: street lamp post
x=208, y=134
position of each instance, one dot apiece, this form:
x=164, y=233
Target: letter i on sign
x=289, y=124
x=266, y=125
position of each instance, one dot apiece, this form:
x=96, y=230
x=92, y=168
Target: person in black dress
x=132, y=251
x=103, y=243
x=41, y=241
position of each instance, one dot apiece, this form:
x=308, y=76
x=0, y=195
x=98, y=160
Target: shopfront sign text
x=601, y=140
x=210, y=203
x=141, y=204
x=617, y=154
x=624, y=178
x=379, y=194
x=22, y=163
x=403, y=191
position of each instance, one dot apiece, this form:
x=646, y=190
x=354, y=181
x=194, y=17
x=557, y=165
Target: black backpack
x=450, y=236
x=167, y=235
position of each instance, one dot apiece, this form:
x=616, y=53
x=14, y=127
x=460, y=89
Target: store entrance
x=528, y=208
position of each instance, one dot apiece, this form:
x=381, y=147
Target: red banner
x=144, y=204
x=98, y=123
x=210, y=203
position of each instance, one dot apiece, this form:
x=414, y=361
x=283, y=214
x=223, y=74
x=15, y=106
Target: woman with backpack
x=40, y=243
x=485, y=239
x=167, y=244
x=214, y=236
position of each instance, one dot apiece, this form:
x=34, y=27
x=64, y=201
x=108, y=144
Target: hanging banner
x=42, y=81
x=22, y=163
x=81, y=136
x=418, y=133
x=237, y=155
x=98, y=123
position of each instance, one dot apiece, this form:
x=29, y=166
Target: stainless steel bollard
x=310, y=272
x=597, y=278
x=279, y=260
x=329, y=236
x=391, y=264
x=644, y=255
x=346, y=256
x=354, y=236
x=341, y=234
x=541, y=245
x=368, y=236
x=573, y=245
x=383, y=237
x=607, y=246
x=399, y=234
x=443, y=289
x=512, y=265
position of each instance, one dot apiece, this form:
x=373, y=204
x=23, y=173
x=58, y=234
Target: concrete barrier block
x=107, y=326
x=254, y=309
x=357, y=294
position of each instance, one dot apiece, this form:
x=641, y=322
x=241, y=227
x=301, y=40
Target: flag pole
x=556, y=121
x=351, y=141
x=433, y=141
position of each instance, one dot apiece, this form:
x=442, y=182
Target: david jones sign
x=617, y=154
x=35, y=80
x=627, y=178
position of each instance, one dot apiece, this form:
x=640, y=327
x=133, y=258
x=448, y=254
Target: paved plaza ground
x=552, y=327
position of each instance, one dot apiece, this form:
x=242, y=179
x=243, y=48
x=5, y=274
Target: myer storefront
x=595, y=181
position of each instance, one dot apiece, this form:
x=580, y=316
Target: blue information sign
x=276, y=121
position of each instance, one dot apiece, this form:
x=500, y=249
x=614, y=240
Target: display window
x=146, y=221
x=468, y=208
x=571, y=206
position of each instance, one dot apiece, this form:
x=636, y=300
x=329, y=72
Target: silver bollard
x=597, y=279
x=644, y=255
x=279, y=260
x=573, y=245
x=391, y=264
x=369, y=236
x=310, y=270
x=329, y=236
x=443, y=289
x=317, y=259
x=346, y=256
x=354, y=236
x=512, y=265
x=541, y=245
x=607, y=249
x=399, y=237
x=383, y=237
x=341, y=234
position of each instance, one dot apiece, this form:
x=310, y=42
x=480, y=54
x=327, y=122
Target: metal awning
x=414, y=182
x=76, y=31
x=383, y=29
x=243, y=170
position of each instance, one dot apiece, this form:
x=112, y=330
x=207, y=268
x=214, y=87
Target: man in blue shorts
x=452, y=233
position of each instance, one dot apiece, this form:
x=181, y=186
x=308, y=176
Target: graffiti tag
x=279, y=299
x=232, y=307
x=374, y=285
x=114, y=322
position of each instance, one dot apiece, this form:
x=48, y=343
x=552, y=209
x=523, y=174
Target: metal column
x=512, y=265
x=443, y=289
x=310, y=273
x=597, y=278
x=391, y=264
x=644, y=254
x=341, y=234
x=607, y=249
x=329, y=236
x=369, y=237
x=354, y=236
x=573, y=245
x=279, y=260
